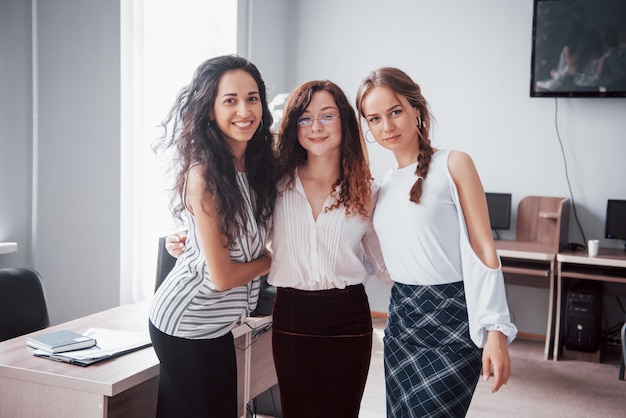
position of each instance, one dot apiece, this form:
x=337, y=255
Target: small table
x=535, y=260
x=608, y=266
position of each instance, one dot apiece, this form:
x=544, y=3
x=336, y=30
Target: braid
x=423, y=163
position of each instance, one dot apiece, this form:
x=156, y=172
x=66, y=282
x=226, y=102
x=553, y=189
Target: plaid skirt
x=431, y=365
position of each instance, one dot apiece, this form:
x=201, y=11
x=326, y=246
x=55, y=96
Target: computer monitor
x=615, y=221
x=499, y=205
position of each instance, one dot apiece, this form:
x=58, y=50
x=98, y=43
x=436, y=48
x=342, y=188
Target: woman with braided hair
x=448, y=314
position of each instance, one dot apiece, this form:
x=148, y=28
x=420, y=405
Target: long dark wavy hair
x=401, y=84
x=188, y=132
x=354, y=173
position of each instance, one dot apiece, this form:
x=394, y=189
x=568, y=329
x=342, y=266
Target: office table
x=125, y=386
x=536, y=261
x=608, y=266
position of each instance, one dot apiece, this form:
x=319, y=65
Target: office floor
x=537, y=388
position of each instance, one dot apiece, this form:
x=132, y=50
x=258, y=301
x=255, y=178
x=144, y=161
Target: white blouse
x=327, y=253
x=428, y=244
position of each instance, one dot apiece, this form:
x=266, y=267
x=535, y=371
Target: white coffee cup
x=593, y=245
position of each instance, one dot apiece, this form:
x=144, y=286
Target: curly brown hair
x=354, y=174
x=401, y=84
x=194, y=139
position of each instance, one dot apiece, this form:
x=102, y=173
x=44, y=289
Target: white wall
x=63, y=113
x=16, y=122
x=266, y=41
x=78, y=182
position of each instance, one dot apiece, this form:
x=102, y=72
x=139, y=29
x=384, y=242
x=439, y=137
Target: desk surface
x=525, y=249
x=108, y=377
x=609, y=257
x=8, y=247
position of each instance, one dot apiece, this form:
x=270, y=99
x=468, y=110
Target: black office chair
x=165, y=263
x=23, y=306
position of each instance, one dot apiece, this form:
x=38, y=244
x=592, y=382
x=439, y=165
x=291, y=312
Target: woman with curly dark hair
x=218, y=131
x=322, y=327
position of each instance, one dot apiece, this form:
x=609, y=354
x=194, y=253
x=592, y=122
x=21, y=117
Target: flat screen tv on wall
x=578, y=48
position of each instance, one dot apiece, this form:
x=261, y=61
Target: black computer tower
x=583, y=317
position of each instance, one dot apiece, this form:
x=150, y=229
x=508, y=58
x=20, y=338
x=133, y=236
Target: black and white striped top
x=187, y=304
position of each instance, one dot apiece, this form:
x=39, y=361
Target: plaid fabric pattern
x=431, y=365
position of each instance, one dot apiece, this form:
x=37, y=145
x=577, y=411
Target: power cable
x=558, y=135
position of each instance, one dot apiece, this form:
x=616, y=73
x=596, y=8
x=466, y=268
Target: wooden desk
x=8, y=247
x=531, y=264
x=125, y=386
x=608, y=266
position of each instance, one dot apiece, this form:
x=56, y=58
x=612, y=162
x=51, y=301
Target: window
x=162, y=42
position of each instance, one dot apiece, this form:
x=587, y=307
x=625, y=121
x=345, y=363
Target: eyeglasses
x=324, y=120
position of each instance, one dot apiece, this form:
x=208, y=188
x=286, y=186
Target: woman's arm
x=474, y=205
x=225, y=274
x=374, y=255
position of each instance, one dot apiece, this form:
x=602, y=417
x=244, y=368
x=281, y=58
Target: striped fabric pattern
x=188, y=305
x=316, y=253
x=431, y=365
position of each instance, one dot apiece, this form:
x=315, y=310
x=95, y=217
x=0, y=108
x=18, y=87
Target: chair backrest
x=165, y=263
x=23, y=306
x=543, y=219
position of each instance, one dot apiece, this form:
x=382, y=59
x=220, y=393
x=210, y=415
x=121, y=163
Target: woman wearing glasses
x=448, y=315
x=322, y=327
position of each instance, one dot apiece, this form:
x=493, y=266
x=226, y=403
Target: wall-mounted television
x=615, y=220
x=578, y=48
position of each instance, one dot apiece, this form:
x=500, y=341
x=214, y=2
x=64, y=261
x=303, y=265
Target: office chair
x=23, y=306
x=543, y=219
x=165, y=263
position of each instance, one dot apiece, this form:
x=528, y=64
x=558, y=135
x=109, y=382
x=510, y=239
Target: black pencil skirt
x=322, y=343
x=197, y=378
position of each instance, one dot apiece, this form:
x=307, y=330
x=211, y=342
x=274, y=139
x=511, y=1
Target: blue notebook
x=60, y=341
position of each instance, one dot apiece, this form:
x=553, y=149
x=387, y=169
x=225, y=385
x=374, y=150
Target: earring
x=419, y=122
x=367, y=140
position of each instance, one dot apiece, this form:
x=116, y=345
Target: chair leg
x=623, y=356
